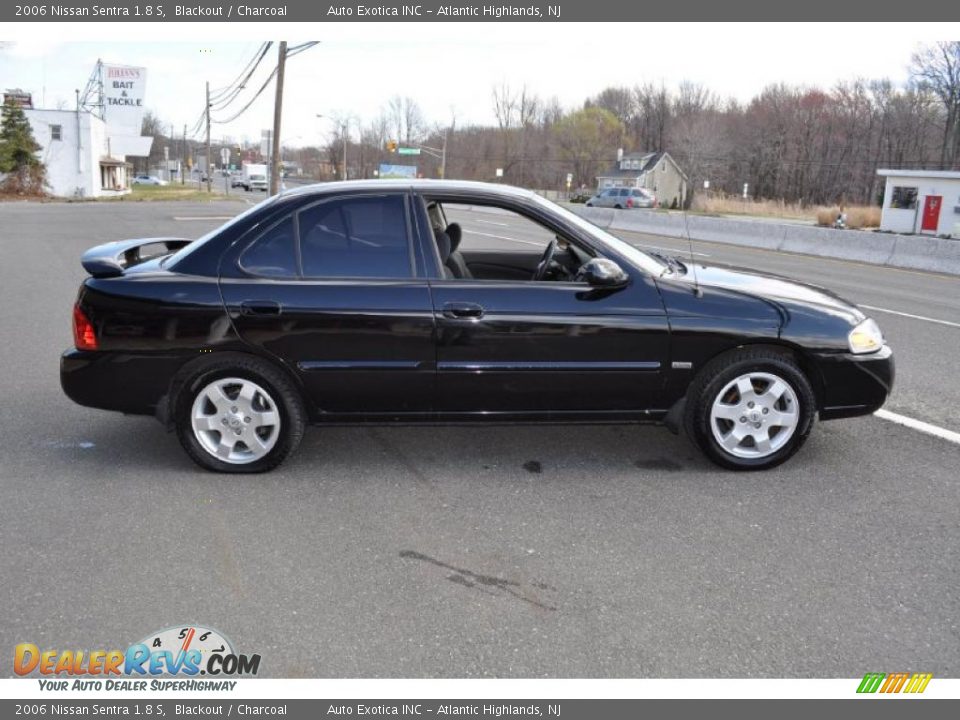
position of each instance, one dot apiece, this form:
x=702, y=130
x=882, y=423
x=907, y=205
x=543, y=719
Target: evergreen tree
x=25, y=174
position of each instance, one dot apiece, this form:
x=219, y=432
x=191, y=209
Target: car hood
x=789, y=296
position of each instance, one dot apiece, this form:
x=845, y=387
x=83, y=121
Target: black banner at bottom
x=875, y=708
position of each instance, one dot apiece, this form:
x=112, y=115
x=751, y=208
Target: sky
x=451, y=69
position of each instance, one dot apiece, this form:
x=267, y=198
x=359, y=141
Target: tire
x=750, y=409
x=617, y=207
x=589, y=204
x=256, y=422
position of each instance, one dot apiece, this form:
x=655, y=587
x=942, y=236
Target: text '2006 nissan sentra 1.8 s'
x=365, y=302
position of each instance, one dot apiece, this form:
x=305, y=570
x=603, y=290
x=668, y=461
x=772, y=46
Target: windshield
x=639, y=258
x=185, y=251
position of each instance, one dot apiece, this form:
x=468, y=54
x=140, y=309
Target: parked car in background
x=623, y=198
x=355, y=302
x=148, y=180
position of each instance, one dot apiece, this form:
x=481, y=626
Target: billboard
x=123, y=91
x=397, y=171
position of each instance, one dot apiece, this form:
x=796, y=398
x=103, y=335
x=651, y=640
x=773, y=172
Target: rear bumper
x=132, y=384
x=855, y=384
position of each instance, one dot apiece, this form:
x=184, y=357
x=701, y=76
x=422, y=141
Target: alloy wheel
x=235, y=420
x=754, y=415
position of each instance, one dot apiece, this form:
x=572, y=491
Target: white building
x=76, y=149
x=921, y=201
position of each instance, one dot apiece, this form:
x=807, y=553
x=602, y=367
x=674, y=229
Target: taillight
x=629, y=202
x=84, y=337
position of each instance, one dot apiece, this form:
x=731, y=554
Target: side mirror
x=602, y=273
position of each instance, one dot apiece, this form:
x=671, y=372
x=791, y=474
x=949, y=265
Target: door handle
x=461, y=310
x=260, y=307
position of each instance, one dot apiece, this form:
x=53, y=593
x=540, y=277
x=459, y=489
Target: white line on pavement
x=203, y=217
x=910, y=315
x=490, y=222
x=920, y=425
x=504, y=237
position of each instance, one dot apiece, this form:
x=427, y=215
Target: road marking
x=490, y=222
x=911, y=315
x=504, y=237
x=203, y=217
x=920, y=425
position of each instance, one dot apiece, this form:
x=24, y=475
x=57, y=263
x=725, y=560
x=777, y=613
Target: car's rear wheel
x=750, y=409
x=240, y=416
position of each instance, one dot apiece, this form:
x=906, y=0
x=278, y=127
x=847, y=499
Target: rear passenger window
x=356, y=237
x=273, y=254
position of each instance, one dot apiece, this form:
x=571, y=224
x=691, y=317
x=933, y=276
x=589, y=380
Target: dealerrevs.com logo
x=185, y=651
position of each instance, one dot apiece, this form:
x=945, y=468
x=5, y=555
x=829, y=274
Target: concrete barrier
x=926, y=253
x=914, y=252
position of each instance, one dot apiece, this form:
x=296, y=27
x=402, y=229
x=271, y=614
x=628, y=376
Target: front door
x=331, y=290
x=557, y=347
x=931, y=213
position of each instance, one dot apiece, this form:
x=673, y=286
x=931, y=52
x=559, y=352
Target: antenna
x=693, y=266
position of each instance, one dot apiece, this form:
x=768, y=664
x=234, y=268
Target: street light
x=343, y=127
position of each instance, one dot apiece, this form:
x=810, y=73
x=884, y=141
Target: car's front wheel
x=750, y=409
x=240, y=416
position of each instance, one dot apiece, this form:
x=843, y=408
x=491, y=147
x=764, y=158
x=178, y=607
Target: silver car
x=623, y=198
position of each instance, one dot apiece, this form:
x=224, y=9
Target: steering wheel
x=541, y=272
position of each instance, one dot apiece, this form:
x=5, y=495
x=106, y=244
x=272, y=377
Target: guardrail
x=912, y=252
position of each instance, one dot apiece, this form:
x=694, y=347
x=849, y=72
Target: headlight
x=865, y=337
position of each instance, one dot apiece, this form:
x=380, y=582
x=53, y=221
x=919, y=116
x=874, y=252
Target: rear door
x=333, y=290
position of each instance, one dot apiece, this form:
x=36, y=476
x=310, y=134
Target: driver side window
x=493, y=243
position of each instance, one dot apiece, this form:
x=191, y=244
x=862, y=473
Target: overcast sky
x=451, y=68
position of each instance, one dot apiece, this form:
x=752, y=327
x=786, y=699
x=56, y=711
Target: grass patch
x=858, y=216
x=174, y=191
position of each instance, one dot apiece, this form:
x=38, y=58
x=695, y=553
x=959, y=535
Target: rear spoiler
x=111, y=259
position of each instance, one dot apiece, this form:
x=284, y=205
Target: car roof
x=437, y=186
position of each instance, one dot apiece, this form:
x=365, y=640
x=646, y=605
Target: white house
x=76, y=148
x=921, y=201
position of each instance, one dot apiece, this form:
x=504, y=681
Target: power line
x=296, y=50
x=257, y=57
x=224, y=100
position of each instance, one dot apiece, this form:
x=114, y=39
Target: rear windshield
x=189, y=249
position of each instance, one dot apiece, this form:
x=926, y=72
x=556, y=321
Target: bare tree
x=937, y=68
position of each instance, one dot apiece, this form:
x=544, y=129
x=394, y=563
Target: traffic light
x=392, y=145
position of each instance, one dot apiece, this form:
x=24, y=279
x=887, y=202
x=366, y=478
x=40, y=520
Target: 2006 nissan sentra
x=364, y=302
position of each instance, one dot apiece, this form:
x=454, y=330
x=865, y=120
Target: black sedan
x=364, y=302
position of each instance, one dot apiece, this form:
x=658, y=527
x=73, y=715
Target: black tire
x=589, y=204
x=281, y=390
x=717, y=375
x=617, y=207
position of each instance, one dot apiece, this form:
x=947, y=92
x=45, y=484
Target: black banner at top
x=415, y=11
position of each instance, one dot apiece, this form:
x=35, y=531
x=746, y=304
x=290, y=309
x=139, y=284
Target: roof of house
x=942, y=174
x=649, y=161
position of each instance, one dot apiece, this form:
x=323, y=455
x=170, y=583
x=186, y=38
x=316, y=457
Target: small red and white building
x=921, y=202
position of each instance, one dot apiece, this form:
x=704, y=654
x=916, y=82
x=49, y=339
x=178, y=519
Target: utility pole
x=277, y=108
x=345, y=127
x=209, y=173
x=443, y=160
x=183, y=157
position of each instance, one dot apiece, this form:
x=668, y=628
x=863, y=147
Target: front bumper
x=855, y=384
x=132, y=384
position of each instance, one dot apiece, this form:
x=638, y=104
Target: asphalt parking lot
x=465, y=552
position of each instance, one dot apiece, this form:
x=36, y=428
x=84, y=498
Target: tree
x=585, y=138
x=25, y=174
x=937, y=68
